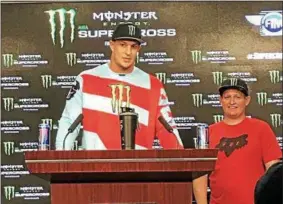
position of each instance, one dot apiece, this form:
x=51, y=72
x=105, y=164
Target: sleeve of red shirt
x=269, y=145
x=167, y=140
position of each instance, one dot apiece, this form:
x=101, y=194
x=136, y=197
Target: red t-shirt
x=243, y=150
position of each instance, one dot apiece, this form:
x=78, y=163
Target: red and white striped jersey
x=98, y=95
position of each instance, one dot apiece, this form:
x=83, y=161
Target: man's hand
x=200, y=189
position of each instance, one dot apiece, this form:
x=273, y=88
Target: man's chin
x=126, y=66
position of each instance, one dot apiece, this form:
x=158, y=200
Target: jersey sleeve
x=269, y=145
x=72, y=110
x=168, y=140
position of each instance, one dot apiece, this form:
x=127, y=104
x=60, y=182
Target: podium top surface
x=81, y=164
x=158, y=155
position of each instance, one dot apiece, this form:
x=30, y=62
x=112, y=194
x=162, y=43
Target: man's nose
x=128, y=50
x=232, y=100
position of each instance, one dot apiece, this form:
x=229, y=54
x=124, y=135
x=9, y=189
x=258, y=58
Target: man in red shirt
x=247, y=148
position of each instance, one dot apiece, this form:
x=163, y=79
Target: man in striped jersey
x=100, y=93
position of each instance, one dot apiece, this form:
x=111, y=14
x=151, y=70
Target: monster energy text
x=8, y=103
x=196, y=56
x=71, y=58
x=197, y=99
x=46, y=81
x=262, y=98
x=9, y=148
x=62, y=13
x=8, y=60
x=9, y=192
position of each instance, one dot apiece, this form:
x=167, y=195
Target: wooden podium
x=121, y=176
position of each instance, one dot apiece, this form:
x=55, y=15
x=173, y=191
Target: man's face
x=234, y=103
x=124, y=52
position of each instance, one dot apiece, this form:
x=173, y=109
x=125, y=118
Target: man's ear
x=248, y=100
x=111, y=44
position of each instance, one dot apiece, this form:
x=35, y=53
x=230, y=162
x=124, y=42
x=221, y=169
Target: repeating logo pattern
x=197, y=99
x=9, y=148
x=196, y=56
x=262, y=98
x=8, y=60
x=8, y=103
x=161, y=76
x=9, y=192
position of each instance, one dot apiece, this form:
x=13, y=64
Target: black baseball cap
x=127, y=31
x=234, y=83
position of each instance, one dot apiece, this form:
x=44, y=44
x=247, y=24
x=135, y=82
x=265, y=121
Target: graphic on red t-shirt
x=229, y=145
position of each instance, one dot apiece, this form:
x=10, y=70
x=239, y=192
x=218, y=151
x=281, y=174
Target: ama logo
x=269, y=22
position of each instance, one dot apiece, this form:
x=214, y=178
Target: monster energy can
x=202, y=140
x=44, y=137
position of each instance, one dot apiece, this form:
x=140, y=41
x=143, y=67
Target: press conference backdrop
x=191, y=47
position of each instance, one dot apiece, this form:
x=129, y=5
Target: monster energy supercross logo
x=47, y=121
x=9, y=192
x=217, y=77
x=46, y=81
x=9, y=148
x=8, y=103
x=197, y=100
x=262, y=98
x=274, y=76
x=71, y=58
x=218, y=118
x=196, y=56
x=62, y=13
x=161, y=76
x=275, y=119
x=8, y=60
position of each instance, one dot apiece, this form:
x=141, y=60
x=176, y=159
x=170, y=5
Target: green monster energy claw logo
x=161, y=76
x=8, y=60
x=196, y=56
x=46, y=81
x=71, y=58
x=8, y=103
x=217, y=77
x=9, y=192
x=197, y=100
x=262, y=98
x=274, y=76
x=62, y=19
x=217, y=118
x=9, y=148
x=275, y=119
x=233, y=81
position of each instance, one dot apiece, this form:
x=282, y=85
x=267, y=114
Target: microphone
x=73, y=127
x=165, y=124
